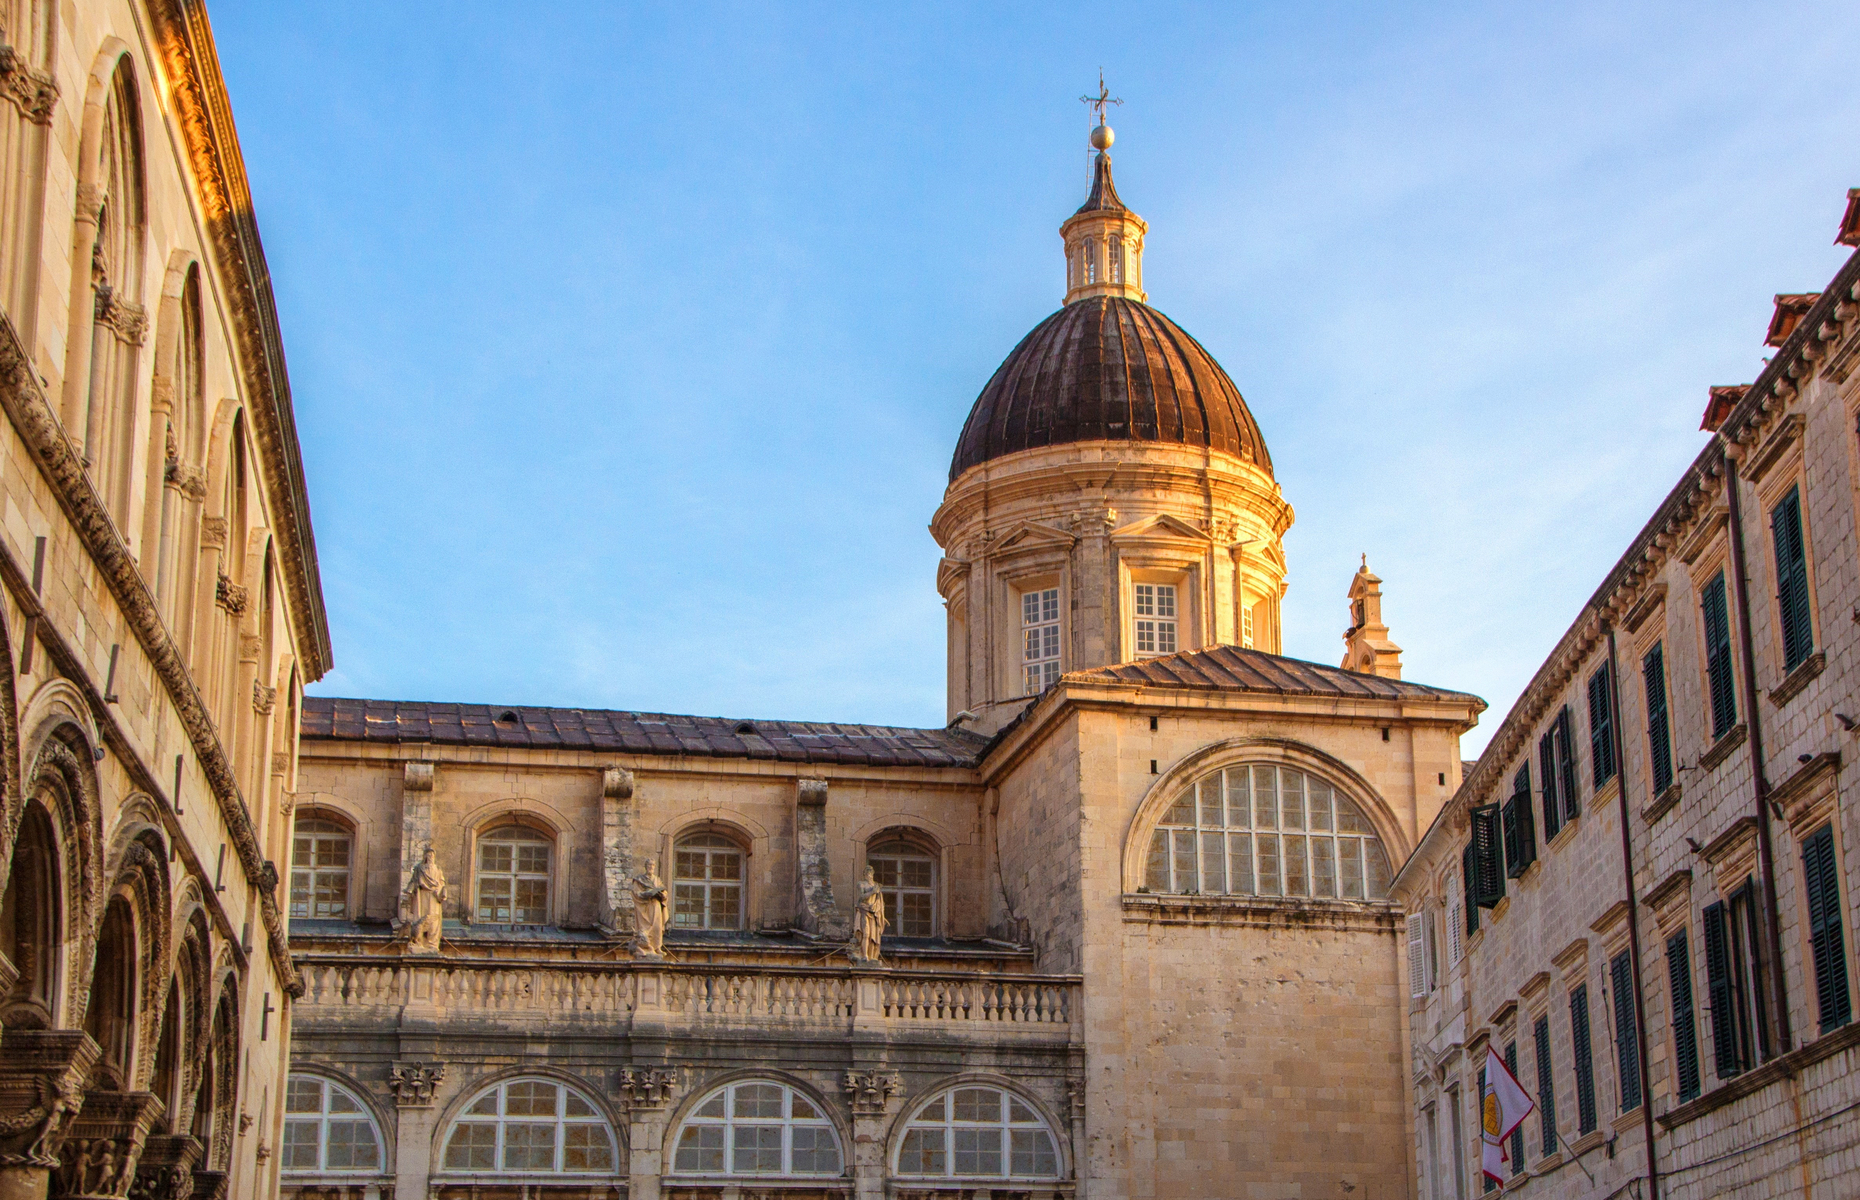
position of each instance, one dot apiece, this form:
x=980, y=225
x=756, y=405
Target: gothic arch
x=212, y=1125
x=192, y=969
x=174, y=458
x=1342, y=777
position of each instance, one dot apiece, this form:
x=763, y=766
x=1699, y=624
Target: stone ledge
x=1372, y=916
x=1796, y=680
x=1662, y=804
x=1752, y=1082
x=1721, y=749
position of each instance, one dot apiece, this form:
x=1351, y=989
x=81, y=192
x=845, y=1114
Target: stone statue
x=426, y=901
x=649, y=909
x=868, y=919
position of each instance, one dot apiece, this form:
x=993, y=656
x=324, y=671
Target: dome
x=1108, y=368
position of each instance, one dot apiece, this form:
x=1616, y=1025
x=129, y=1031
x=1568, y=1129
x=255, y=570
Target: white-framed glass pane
x=514, y=869
x=977, y=1132
x=327, y=1129
x=320, y=870
x=906, y=878
x=707, y=891
x=530, y=1127
x=758, y=1128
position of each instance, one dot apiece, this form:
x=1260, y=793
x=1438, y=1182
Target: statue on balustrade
x=426, y=903
x=649, y=911
x=868, y=919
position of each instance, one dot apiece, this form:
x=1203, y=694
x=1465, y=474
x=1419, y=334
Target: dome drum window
x=977, y=1133
x=530, y=1127
x=757, y=1128
x=1266, y=830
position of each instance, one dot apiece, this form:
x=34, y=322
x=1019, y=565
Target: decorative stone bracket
x=869, y=1090
x=166, y=1171
x=647, y=1087
x=42, y=1076
x=104, y=1145
x=413, y=1083
x=263, y=698
x=230, y=596
x=31, y=90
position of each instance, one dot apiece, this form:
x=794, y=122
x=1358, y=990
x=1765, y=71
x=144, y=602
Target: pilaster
x=617, y=863
x=414, y=1085
x=874, y=1096
x=646, y=1092
x=815, y=910
x=416, y=819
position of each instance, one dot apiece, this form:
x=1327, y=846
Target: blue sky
x=630, y=344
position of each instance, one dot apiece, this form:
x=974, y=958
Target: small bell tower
x=1366, y=644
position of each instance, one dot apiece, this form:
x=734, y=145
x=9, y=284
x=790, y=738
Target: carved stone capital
x=166, y=1170
x=869, y=1090
x=647, y=1087
x=42, y=1076
x=191, y=482
x=230, y=596
x=413, y=1083
x=129, y=319
x=209, y=1185
x=33, y=92
x=212, y=532
x=263, y=698
x=104, y=1144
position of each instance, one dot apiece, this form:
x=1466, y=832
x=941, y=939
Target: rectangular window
x=1039, y=627
x=1601, y=729
x=1627, y=1031
x=1546, y=1084
x=1434, y=1172
x=1733, y=981
x=1457, y=1125
x=1517, y=1132
x=1722, y=686
x=1585, y=1062
x=1685, y=1026
x=1792, y=581
x=1520, y=828
x=1417, y=976
x=1828, y=947
x=1659, y=737
x=1566, y=763
x=1486, y=879
x=1546, y=770
x=1156, y=618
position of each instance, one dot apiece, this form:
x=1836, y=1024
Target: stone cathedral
x=1120, y=929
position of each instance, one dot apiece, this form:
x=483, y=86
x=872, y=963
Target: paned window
x=1117, y=259
x=907, y=878
x=1827, y=945
x=1265, y=830
x=513, y=877
x=320, y=870
x=1601, y=728
x=1627, y=1031
x=1155, y=618
x=1546, y=1084
x=707, y=883
x=1792, y=580
x=327, y=1130
x=1723, y=687
x=1583, y=1053
x=1685, y=1025
x=1659, y=736
x=1733, y=978
x=1456, y=922
x=757, y=1128
x=530, y=1127
x=978, y=1133
x=1039, y=628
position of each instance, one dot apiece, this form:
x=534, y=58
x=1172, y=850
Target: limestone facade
x=159, y=614
x=1685, y=884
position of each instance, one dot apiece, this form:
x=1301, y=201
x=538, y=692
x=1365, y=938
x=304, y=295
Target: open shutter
x=1601, y=729
x=1417, y=981
x=1584, y=1056
x=1456, y=918
x=1488, y=873
x=1469, y=875
x=1546, y=1084
x=1546, y=770
x=1659, y=737
x=1566, y=764
x=1718, y=990
x=1685, y=1025
x=1824, y=929
x=1520, y=826
x=1718, y=656
x=1627, y=1032
x=1792, y=581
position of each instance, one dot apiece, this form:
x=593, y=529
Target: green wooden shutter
x=1520, y=827
x=1517, y=1132
x=1546, y=770
x=1601, y=729
x=1685, y=1025
x=1488, y=855
x=1468, y=876
x=1546, y=1084
x=1583, y=1053
x=1718, y=990
x=1659, y=737
x=1792, y=580
x=1822, y=883
x=1718, y=657
x=1566, y=764
x=1627, y=1039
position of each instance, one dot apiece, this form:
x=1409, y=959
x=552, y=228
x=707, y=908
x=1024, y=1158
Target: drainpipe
x=1766, y=861
x=1633, y=918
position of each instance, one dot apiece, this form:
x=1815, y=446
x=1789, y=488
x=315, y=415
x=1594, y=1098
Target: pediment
x=951, y=574
x=1159, y=528
x=1030, y=536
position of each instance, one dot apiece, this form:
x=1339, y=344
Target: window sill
x=1564, y=834
x=1584, y=1144
x=1662, y=804
x=1796, y=680
x=1607, y=793
x=1758, y=1078
x=1374, y=916
x=1721, y=749
x=1629, y=1120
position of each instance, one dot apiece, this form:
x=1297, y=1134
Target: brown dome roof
x=1108, y=369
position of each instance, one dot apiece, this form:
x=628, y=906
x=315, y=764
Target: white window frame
x=322, y=1118
x=1040, y=639
x=514, y=836
x=729, y=1123
x=561, y=1121
x=314, y=873
x=1157, y=609
x=887, y=858
x=706, y=886
x=1005, y=1125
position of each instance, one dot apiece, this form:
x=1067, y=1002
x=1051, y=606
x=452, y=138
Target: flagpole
x=1574, y=1157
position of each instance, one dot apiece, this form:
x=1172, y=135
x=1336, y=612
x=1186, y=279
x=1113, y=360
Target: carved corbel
x=33, y=92
x=263, y=698
x=104, y=1145
x=417, y=777
x=166, y=1170
x=42, y=1076
x=869, y=1090
x=647, y=1087
x=617, y=783
x=413, y=1083
x=230, y=596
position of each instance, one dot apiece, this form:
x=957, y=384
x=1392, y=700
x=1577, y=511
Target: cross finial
x=1103, y=98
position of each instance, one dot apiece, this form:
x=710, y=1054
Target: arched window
x=978, y=1132
x=757, y=1128
x=530, y=1127
x=906, y=874
x=1117, y=259
x=1266, y=830
x=30, y=924
x=110, y=1018
x=179, y=433
x=320, y=868
x=513, y=876
x=326, y=1129
x=707, y=883
x=119, y=321
x=1091, y=262
x=24, y=123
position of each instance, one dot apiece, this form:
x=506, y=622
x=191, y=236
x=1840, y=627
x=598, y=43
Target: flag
x=1502, y=1109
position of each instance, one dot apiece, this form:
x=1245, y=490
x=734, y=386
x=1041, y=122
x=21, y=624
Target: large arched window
x=320, y=869
x=906, y=874
x=30, y=924
x=1266, y=830
x=327, y=1130
x=119, y=321
x=978, y=1132
x=513, y=876
x=707, y=883
x=757, y=1128
x=530, y=1127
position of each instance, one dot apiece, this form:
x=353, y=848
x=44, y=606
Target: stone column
x=647, y=1093
x=413, y=1085
x=815, y=911
x=42, y=1077
x=166, y=1171
x=874, y=1095
x=103, y=1145
x=617, y=861
x=416, y=827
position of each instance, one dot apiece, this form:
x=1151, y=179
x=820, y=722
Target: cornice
x=62, y=465
x=198, y=95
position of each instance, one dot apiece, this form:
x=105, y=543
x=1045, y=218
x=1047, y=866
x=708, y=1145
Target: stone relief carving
x=230, y=596
x=647, y=1087
x=213, y=533
x=31, y=90
x=413, y=1083
x=426, y=899
x=869, y=1090
x=263, y=698
x=128, y=319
